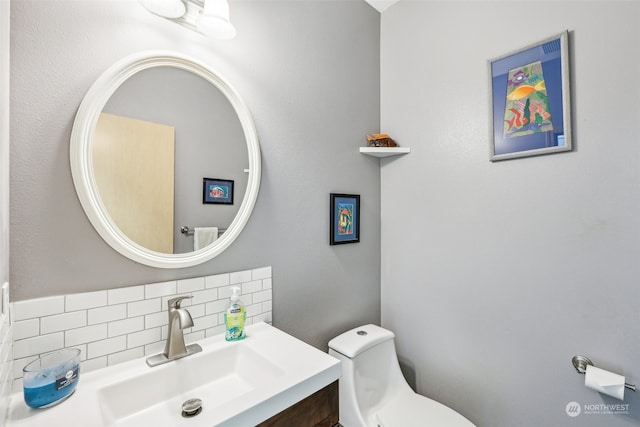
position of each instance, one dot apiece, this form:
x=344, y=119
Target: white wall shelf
x=384, y=151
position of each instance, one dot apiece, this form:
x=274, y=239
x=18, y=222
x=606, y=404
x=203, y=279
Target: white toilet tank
x=372, y=389
x=370, y=372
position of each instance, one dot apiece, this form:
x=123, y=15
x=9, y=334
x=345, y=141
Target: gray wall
x=495, y=274
x=309, y=72
x=5, y=328
x=4, y=142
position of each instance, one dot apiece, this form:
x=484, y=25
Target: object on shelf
x=380, y=140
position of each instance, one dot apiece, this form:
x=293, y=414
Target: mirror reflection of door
x=209, y=142
x=134, y=168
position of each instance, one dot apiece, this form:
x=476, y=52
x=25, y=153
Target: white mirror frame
x=81, y=153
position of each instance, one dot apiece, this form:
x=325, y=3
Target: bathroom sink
x=215, y=378
x=240, y=383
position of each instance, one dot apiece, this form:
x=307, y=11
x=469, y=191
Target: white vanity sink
x=240, y=384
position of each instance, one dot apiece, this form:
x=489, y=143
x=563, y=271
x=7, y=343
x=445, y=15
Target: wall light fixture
x=208, y=17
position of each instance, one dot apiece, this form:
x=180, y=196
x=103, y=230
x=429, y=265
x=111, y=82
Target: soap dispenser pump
x=235, y=317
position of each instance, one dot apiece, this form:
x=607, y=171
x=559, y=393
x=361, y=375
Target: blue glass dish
x=51, y=378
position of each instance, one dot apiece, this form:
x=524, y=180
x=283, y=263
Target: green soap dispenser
x=234, y=317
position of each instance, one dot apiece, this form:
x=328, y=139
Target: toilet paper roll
x=604, y=382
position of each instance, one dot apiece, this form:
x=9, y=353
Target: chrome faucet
x=175, y=348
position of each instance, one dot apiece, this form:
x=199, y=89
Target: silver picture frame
x=530, y=100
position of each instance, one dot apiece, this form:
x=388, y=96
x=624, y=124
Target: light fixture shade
x=214, y=20
x=165, y=8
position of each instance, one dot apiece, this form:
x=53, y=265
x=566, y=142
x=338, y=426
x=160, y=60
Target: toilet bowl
x=372, y=389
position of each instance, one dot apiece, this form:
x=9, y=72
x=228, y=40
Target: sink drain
x=191, y=408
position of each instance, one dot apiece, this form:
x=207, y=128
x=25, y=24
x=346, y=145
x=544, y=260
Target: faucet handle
x=174, y=303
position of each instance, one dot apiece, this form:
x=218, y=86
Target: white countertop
x=295, y=371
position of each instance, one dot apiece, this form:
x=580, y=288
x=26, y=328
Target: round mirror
x=162, y=146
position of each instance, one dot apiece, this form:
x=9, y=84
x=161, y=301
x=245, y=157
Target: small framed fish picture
x=344, y=218
x=217, y=191
x=530, y=100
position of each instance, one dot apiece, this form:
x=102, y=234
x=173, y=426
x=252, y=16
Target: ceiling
x=381, y=5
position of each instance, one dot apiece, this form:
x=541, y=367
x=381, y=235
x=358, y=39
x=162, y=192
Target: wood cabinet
x=318, y=410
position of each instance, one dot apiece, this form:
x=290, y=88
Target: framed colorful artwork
x=217, y=191
x=344, y=218
x=530, y=100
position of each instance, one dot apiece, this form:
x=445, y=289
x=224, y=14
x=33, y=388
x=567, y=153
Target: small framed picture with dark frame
x=217, y=191
x=345, y=218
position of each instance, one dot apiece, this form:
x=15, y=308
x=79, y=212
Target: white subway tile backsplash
x=184, y=303
x=109, y=313
x=261, y=273
x=216, y=306
x=191, y=285
x=38, y=345
x=262, y=296
x=5, y=380
x=217, y=280
x=253, y=310
x=83, y=351
x=215, y=331
x=197, y=310
x=221, y=318
x=247, y=299
x=155, y=348
x=17, y=385
x=122, y=295
x=116, y=325
x=6, y=362
x=19, y=364
x=156, y=290
x=201, y=297
x=39, y=307
x=93, y=364
x=156, y=319
x=26, y=328
x=143, y=338
x=264, y=317
x=73, y=337
x=126, y=355
x=205, y=322
x=253, y=286
x=125, y=326
x=105, y=347
x=85, y=300
x=62, y=322
x=141, y=308
x=225, y=292
x=194, y=337
x=5, y=392
x=165, y=332
x=239, y=277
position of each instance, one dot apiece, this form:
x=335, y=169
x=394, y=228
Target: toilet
x=372, y=389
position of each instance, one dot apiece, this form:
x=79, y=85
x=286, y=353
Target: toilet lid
x=414, y=410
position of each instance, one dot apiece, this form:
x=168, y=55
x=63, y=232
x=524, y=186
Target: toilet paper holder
x=581, y=363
